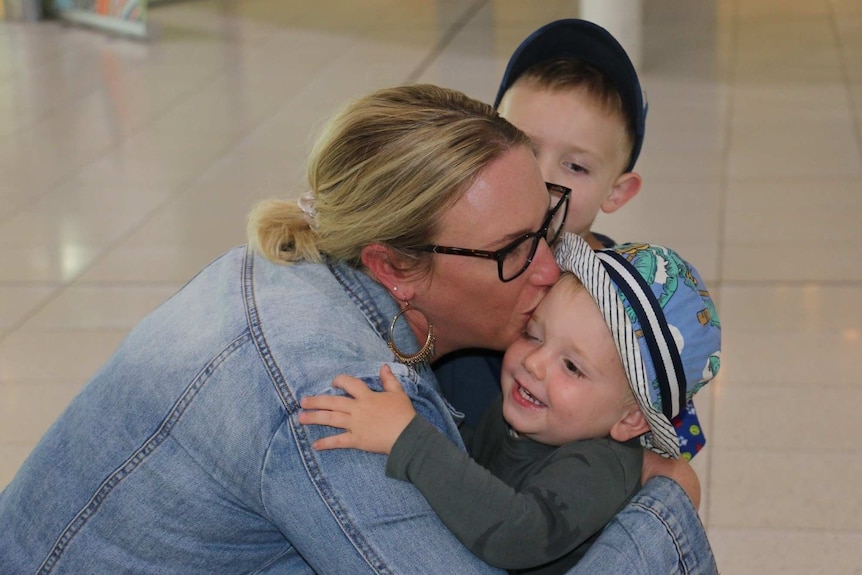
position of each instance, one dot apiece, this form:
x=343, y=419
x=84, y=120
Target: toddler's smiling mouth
x=526, y=397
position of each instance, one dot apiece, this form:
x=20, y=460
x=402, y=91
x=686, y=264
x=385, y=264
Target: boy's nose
x=534, y=364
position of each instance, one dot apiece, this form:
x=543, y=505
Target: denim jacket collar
x=376, y=304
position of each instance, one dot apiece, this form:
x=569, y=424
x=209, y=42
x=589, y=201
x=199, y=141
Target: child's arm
x=556, y=510
x=372, y=420
x=565, y=501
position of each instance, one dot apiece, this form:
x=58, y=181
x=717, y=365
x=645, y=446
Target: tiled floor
x=125, y=166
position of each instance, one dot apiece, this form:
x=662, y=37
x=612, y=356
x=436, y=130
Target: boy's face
x=562, y=379
x=580, y=145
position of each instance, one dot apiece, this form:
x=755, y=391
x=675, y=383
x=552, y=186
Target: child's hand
x=372, y=420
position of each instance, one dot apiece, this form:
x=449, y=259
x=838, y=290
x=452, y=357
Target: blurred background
x=126, y=164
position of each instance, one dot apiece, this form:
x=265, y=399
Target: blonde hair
x=384, y=170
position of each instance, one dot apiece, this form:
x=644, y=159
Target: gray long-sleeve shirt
x=519, y=504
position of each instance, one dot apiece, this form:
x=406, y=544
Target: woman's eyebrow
x=509, y=238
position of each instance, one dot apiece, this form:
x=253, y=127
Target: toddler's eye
x=528, y=336
x=570, y=365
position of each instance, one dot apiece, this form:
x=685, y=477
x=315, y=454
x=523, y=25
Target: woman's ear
x=383, y=265
x=632, y=424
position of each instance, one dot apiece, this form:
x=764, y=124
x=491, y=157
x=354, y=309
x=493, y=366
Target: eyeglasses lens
x=520, y=256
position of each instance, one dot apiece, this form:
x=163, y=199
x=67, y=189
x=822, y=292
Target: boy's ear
x=383, y=264
x=632, y=424
x=626, y=187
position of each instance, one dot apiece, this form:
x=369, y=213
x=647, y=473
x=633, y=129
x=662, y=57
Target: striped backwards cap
x=663, y=323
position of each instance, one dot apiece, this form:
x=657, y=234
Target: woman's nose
x=544, y=270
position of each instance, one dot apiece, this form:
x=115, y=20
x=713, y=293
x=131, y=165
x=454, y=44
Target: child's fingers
x=324, y=417
x=353, y=386
x=339, y=441
x=390, y=382
x=328, y=402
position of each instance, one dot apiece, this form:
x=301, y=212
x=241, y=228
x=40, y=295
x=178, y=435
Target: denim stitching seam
x=650, y=510
x=303, y=444
x=146, y=449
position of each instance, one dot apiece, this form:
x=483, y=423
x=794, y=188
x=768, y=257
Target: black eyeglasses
x=514, y=259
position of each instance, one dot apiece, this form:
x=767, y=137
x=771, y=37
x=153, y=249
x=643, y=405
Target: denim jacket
x=183, y=455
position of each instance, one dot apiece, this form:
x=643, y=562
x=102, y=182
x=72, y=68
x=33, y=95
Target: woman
x=183, y=453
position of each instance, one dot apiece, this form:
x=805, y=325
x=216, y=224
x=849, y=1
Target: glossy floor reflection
x=125, y=166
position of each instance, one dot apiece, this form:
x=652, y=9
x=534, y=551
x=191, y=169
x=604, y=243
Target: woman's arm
x=659, y=531
x=370, y=523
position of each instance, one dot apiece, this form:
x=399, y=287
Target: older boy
x=573, y=89
x=612, y=353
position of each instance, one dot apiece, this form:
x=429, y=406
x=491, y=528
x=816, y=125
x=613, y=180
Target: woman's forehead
x=508, y=199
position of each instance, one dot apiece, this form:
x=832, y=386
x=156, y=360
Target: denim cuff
x=659, y=531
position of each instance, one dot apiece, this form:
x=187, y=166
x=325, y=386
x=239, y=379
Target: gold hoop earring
x=423, y=355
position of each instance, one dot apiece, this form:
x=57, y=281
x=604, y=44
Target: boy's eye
x=570, y=365
x=528, y=336
x=577, y=168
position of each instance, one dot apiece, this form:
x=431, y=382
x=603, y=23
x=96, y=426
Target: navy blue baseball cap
x=592, y=44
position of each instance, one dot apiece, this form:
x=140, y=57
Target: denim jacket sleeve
x=659, y=531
